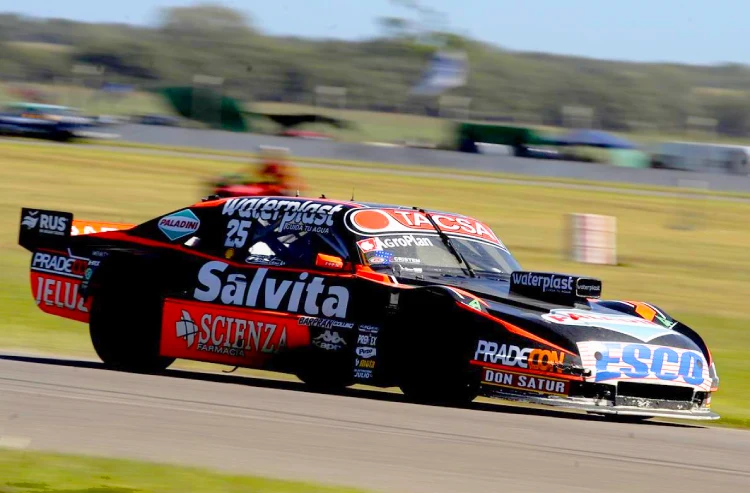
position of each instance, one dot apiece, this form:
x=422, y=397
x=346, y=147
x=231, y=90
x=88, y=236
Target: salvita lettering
x=509, y=355
x=547, y=282
x=290, y=211
x=311, y=296
x=179, y=224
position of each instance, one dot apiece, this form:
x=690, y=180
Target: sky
x=689, y=31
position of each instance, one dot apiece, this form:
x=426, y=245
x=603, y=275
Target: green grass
x=34, y=472
x=689, y=256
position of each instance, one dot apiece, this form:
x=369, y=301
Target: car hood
x=581, y=323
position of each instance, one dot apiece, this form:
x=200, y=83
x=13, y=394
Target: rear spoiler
x=41, y=228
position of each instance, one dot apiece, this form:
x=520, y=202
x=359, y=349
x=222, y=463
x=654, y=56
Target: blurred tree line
x=532, y=87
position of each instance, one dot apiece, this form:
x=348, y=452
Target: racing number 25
x=237, y=234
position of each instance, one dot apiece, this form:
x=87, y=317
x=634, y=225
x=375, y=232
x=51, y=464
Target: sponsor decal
x=59, y=264
x=81, y=227
x=325, y=323
x=365, y=363
x=370, y=329
x=295, y=215
x=367, y=340
x=519, y=381
x=362, y=374
x=264, y=260
x=636, y=327
x=588, y=288
x=368, y=245
x=329, y=340
x=366, y=352
x=179, y=224
x=371, y=222
x=547, y=282
x=407, y=260
x=308, y=294
x=613, y=361
x=45, y=222
x=375, y=243
x=59, y=295
x=380, y=257
x=228, y=335
x=514, y=356
x=30, y=220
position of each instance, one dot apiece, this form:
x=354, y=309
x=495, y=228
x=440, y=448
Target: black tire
x=125, y=323
x=324, y=373
x=450, y=380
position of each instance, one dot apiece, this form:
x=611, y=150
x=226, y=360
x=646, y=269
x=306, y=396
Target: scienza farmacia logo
x=186, y=328
x=31, y=220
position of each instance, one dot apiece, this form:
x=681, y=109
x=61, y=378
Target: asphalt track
x=362, y=438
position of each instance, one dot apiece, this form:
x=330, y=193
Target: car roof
x=348, y=204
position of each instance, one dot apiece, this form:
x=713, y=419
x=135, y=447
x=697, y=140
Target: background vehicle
x=341, y=292
x=44, y=121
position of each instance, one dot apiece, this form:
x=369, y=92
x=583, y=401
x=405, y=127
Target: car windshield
x=426, y=254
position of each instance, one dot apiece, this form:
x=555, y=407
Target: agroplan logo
x=179, y=224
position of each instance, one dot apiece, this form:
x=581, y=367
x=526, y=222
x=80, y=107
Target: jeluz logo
x=309, y=296
x=30, y=220
x=186, y=328
x=548, y=282
x=179, y=224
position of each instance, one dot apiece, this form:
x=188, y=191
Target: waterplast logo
x=179, y=224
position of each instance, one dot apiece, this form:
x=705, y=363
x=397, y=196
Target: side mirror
x=329, y=262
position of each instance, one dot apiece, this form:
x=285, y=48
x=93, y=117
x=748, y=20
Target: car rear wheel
x=125, y=325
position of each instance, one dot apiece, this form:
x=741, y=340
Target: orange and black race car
x=340, y=293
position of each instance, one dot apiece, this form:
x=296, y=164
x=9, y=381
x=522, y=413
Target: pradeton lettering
x=508, y=355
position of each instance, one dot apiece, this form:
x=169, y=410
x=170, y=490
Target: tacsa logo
x=30, y=220
x=186, y=328
x=179, y=224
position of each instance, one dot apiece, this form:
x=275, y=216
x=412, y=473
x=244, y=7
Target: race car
x=45, y=121
x=339, y=293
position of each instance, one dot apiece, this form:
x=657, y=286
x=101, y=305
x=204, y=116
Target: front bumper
x=623, y=406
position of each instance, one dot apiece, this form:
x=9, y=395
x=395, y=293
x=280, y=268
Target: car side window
x=269, y=244
x=290, y=232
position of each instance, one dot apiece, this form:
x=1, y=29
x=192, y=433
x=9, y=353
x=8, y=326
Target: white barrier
x=592, y=239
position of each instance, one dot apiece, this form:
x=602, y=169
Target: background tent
x=206, y=106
